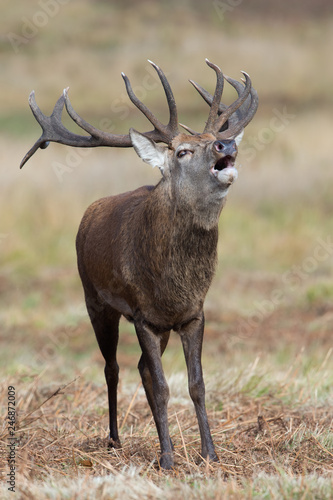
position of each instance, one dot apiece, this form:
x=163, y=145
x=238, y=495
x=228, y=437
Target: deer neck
x=174, y=247
x=188, y=207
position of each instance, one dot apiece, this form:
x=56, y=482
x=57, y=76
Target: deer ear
x=148, y=150
x=239, y=137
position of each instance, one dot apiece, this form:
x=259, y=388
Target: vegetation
x=267, y=352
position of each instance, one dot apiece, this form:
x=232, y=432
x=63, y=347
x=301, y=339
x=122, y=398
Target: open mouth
x=222, y=163
x=224, y=171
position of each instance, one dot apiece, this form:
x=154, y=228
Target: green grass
x=319, y=293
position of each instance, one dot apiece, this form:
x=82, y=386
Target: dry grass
x=62, y=430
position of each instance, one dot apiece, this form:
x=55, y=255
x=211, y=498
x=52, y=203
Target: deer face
x=204, y=160
x=199, y=167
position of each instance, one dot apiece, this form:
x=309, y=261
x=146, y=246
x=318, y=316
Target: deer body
x=150, y=254
x=141, y=257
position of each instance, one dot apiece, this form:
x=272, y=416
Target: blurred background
x=273, y=288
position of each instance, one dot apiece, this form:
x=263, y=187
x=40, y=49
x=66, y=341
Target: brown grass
x=262, y=423
x=62, y=434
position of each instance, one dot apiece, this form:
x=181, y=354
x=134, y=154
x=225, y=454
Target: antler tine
x=173, y=121
x=210, y=124
x=247, y=110
x=204, y=94
x=244, y=111
x=207, y=97
x=235, y=105
x=164, y=133
x=55, y=131
x=52, y=127
x=39, y=117
x=97, y=137
x=188, y=129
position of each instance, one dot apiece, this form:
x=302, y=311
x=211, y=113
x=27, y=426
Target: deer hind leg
x=192, y=336
x=150, y=366
x=105, y=321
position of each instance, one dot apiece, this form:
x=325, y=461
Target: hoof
x=210, y=457
x=112, y=443
x=166, y=461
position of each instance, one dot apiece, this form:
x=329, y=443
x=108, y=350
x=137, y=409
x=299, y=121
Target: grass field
x=269, y=313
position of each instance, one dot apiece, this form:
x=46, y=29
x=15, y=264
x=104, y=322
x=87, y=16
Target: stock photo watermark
x=31, y=26
x=291, y=280
x=12, y=439
x=250, y=146
x=223, y=8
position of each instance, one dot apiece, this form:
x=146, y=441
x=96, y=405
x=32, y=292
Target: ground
x=268, y=398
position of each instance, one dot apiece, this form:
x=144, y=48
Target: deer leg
x=192, y=335
x=157, y=390
x=105, y=322
x=145, y=373
x=146, y=377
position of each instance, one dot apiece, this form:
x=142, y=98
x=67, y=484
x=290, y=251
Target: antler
x=238, y=114
x=55, y=131
x=226, y=122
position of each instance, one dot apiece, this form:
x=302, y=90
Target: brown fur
x=166, y=263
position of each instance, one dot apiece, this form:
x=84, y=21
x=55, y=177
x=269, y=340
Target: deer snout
x=223, y=170
x=227, y=156
x=228, y=148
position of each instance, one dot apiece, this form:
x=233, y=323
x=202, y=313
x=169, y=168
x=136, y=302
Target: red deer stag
x=150, y=254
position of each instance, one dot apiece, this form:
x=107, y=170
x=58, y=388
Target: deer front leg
x=192, y=336
x=155, y=385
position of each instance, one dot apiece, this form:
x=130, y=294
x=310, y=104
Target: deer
x=150, y=254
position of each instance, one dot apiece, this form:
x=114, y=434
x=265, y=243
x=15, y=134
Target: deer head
x=189, y=160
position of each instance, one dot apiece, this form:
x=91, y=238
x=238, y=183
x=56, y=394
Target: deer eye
x=183, y=152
